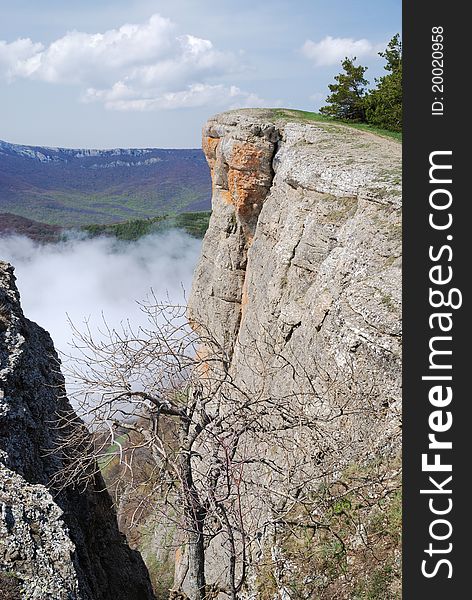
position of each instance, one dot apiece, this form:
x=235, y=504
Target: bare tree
x=229, y=458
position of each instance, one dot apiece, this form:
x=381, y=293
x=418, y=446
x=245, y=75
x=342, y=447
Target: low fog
x=88, y=279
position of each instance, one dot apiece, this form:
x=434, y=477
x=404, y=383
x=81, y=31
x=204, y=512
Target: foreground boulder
x=52, y=545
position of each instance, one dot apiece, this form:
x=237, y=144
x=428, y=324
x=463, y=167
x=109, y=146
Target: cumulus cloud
x=15, y=56
x=330, y=50
x=91, y=279
x=123, y=98
x=135, y=67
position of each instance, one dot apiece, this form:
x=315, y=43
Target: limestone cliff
x=305, y=242
x=52, y=546
x=302, y=261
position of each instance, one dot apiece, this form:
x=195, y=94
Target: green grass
x=377, y=585
x=304, y=116
x=328, y=561
x=105, y=461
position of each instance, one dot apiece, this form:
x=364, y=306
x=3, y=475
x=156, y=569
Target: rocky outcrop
x=53, y=545
x=300, y=282
x=304, y=242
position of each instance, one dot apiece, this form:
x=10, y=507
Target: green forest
x=194, y=223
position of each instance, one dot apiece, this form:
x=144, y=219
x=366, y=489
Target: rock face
x=302, y=263
x=305, y=243
x=52, y=546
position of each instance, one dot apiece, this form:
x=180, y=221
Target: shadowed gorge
x=52, y=545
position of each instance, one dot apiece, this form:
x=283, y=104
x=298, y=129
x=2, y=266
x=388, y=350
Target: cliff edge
x=300, y=281
x=304, y=242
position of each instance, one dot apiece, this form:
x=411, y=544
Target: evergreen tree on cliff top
x=347, y=98
x=384, y=103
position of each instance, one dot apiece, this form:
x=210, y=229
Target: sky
x=148, y=73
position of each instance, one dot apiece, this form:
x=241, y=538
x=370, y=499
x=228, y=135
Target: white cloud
x=330, y=51
x=88, y=279
x=90, y=282
x=15, y=56
x=135, y=67
x=123, y=98
x=79, y=57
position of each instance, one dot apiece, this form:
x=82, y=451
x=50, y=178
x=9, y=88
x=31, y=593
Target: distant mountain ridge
x=73, y=187
x=56, y=154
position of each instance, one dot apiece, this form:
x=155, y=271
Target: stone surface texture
x=304, y=245
x=301, y=264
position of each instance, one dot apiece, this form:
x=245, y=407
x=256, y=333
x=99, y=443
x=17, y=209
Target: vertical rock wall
x=300, y=281
x=304, y=247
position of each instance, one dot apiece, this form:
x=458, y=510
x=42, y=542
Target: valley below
x=70, y=188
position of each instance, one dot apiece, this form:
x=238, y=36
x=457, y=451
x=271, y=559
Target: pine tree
x=384, y=103
x=346, y=101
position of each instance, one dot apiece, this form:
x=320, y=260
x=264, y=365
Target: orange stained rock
x=244, y=298
x=226, y=196
x=246, y=157
x=209, y=145
x=247, y=193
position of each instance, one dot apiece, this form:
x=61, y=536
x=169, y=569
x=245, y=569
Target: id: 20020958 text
x=437, y=70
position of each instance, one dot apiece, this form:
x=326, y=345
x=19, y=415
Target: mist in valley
x=91, y=280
